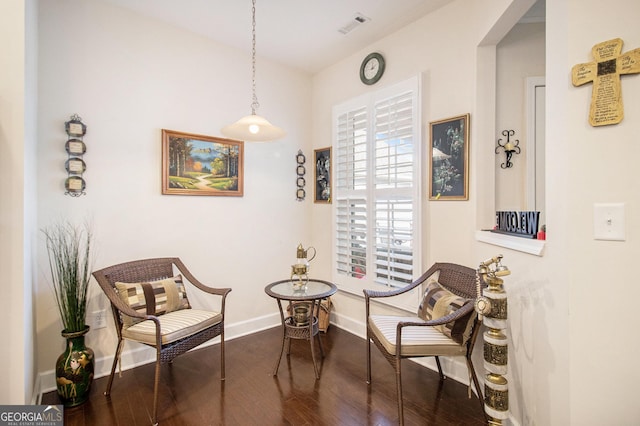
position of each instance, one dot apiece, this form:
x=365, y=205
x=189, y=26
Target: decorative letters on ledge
x=520, y=224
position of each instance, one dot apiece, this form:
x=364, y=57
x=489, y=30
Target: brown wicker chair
x=166, y=332
x=400, y=337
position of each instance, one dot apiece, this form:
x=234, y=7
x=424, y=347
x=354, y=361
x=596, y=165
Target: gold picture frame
x=201, y=165
x=449, y=158
x=322, y=176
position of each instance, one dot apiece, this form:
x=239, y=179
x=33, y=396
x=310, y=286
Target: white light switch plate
x=608, y=221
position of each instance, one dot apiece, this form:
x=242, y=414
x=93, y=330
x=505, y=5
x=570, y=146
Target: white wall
x=17, y=172
x=560, y=371
x=441, y=48
x=521, y=54
x=600, y=166
x=444, y=48
x=128, y=77
x=30, y=196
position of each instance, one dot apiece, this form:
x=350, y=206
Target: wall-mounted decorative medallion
x=75, y=166
x=300, y=171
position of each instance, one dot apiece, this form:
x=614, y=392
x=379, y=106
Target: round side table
x=302, y=321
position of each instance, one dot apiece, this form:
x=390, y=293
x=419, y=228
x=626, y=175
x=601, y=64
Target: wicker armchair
x=423, y=334
x=150, y=306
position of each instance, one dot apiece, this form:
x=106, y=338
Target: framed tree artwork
x=322, y=184
x=449, y=159
x=201, y=165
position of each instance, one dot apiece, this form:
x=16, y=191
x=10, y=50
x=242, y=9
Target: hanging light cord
x=253, y=127
x=254, y=104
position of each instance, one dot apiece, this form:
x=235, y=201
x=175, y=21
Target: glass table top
x=315, y=289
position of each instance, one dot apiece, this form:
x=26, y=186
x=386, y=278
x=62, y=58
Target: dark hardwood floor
x=191, y=392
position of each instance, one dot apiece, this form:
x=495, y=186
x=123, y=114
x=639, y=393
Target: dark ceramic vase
x=74, y=369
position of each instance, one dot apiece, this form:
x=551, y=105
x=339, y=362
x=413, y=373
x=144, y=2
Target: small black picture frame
x=75, y=127
x=322, y=184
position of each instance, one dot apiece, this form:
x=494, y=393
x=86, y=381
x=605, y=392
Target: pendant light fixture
x=253, y=127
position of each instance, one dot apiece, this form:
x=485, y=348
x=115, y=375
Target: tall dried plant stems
x=69, y=249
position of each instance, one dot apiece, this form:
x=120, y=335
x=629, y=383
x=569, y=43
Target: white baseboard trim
x=36, y=396
x=140, y=354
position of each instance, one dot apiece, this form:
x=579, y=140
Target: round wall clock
x=372, y=68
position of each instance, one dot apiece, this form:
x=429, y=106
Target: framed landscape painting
x=201, y=165
x=449, y=159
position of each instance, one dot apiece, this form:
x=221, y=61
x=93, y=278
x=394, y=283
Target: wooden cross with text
x=606, y=98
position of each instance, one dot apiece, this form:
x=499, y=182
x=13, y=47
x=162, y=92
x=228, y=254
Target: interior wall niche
x=535, y=108
x=520, y=61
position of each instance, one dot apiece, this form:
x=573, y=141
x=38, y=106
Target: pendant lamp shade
x=254, y=127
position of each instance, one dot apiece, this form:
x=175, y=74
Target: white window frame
x=369, y=100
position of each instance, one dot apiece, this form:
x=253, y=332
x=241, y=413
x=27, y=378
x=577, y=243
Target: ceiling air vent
x=357, y=20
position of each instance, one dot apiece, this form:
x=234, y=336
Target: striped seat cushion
x=416, y=341
x=174, y=326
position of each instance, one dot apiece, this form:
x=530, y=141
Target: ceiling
x=300, y=33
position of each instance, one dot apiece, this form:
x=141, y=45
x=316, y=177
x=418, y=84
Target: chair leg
x=442, y=377
x=368, y=357
x=156, y=387
x=222, y=373
x=473, y=375
x=398, y=367
x=116, y=358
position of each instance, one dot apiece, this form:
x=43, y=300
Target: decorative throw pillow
x=439, y=302
x=153, y=298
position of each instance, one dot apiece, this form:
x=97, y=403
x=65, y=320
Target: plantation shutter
x=351, y=241
x=351, y=182
x=394, y=153
x=394, y=241
x=394, y=169
x=377, y=185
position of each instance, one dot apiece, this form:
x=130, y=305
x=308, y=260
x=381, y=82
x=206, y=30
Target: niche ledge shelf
x=525, y=245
